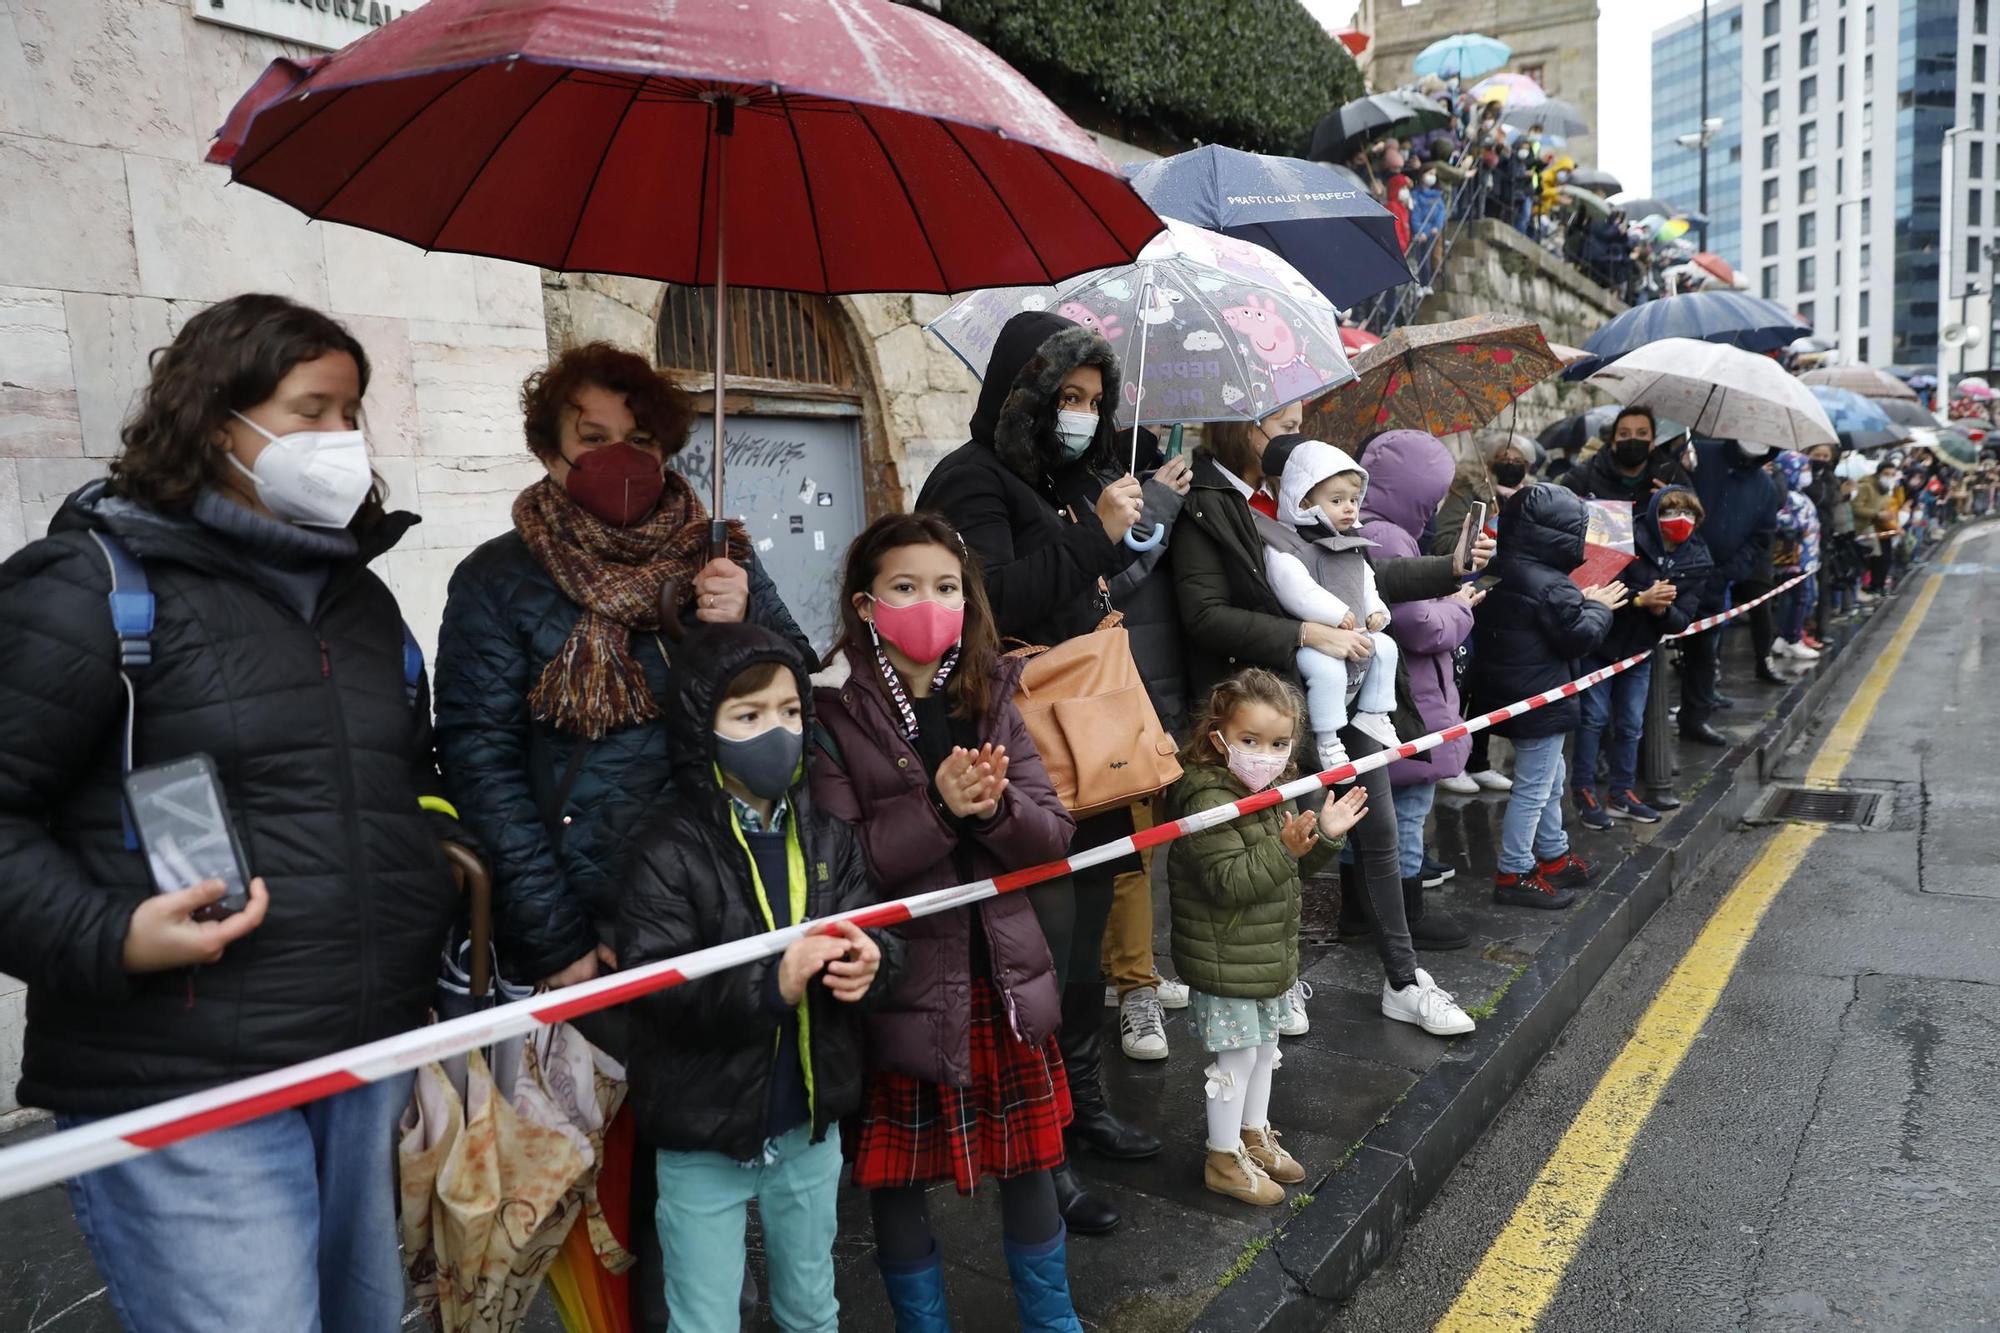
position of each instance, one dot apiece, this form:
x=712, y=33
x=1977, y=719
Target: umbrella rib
x=561, y=77
x=237, y=169
x=1048, y=275
x=1089, y=207
x=916, y=215
x=805, y=182
x=375, y=152
x=590, y=191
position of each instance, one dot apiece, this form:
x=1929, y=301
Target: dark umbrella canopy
x=1555, y=116
x=1377, y=116
x=1595, y=178
x=1316, y=217
x=1735, y=318
x=1907, y=412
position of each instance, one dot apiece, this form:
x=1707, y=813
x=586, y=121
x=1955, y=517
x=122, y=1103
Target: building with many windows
x=1677, y=111
x=1844, y=107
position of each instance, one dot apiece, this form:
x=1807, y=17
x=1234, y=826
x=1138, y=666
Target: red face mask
x=618, y=483
x=921, y=631
x=1677, y=527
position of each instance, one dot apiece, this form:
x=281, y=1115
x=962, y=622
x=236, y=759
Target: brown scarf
x=594, y=684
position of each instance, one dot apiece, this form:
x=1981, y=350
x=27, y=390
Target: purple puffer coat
x=879, y=786
x=1408, y=475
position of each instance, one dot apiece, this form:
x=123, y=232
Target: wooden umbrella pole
x=725, y=127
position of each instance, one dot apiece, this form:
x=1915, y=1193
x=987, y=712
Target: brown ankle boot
x=1262, y=1145
x=1234, y=1174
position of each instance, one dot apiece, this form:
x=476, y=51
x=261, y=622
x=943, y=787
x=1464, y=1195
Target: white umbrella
x=1719, y=391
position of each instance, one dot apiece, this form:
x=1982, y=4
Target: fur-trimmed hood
x=1016, y=415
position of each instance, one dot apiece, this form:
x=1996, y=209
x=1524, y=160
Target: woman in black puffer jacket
x=277, y=653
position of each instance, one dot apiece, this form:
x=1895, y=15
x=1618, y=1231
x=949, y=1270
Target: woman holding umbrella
x=1027, y=496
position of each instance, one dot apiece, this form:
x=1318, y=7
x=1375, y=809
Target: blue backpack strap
x=413, y=666
x=132, y=607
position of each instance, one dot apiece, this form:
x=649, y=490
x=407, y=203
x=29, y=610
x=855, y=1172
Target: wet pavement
x=1179, y=1244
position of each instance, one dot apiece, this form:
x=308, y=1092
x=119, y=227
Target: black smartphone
x=184, y=828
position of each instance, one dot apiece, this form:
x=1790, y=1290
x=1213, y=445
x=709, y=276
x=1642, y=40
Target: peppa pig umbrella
x=1214, y=329
x=841, y=146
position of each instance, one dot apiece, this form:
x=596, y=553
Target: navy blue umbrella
x=1316, y=217
x=1735, y=318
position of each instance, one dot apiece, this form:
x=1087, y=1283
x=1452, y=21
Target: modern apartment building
x=1844, y=107
x=1677, y=112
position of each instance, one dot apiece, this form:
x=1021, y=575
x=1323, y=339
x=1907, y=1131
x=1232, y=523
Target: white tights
x=1239, y=1094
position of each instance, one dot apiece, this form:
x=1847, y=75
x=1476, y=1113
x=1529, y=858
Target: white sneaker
x=1797, y=651
x=1142, y=1028
x=1295, y=1023
x=1378, y=728
x=1332, y=754
x=1459, y=784
x=1426, y=1006
x=1173, y=994
x=1492, y=779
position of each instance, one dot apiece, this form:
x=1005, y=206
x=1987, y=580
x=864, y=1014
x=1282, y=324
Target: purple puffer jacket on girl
x=1408, y=475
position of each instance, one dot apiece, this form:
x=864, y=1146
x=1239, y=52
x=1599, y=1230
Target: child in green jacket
x=1235, y=896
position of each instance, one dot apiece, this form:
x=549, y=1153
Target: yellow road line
x=1518, y=1277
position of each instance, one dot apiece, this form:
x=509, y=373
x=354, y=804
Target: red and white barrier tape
x=45, y=1161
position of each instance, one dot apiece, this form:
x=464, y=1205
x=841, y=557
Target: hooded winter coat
x=873, y=779
x=1688, y=567
x=1409, y=473
x=1319, y=574
x=1234, y=892
x=1027, y=511
x=555, y=813
x=1536, y=623
x=1742, y=502
x=322, y=757
x=704, y=1052
x=1598, y=478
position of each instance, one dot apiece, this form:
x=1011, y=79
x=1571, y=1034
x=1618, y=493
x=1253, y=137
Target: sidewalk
x=1183, y=1252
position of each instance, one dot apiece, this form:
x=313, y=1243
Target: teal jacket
x=1235, y=892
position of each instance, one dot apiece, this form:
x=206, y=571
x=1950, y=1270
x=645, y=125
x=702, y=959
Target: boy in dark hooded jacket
x=737, y=1077
x=1671, y=572
x=1528, y=635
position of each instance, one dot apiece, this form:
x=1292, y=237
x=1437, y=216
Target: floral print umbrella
x=1439, y=378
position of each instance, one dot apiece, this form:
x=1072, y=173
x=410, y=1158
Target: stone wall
x=113, y=232
x=1493, y=268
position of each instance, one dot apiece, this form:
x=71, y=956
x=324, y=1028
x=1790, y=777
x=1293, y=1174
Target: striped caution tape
x=117, y=1138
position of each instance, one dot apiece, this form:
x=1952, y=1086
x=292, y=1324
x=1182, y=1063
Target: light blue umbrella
x=1850, y=413
x=1464, y=54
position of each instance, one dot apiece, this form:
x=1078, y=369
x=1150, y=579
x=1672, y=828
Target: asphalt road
x=1827, y=1154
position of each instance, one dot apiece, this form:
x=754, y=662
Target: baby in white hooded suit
x=1319, y=570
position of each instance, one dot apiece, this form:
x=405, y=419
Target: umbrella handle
x=1159, y=535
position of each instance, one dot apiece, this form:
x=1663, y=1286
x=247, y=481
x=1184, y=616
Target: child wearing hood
x=1316, y=559
x=737, y=1078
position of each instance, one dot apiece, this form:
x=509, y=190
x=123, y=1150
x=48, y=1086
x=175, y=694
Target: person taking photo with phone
x=244, y=497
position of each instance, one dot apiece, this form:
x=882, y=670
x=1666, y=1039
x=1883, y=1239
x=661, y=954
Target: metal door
x=796, y=483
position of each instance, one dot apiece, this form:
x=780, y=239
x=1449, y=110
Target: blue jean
x=1413, y=810
x=1532, y=829
x=704, y=1197
x=286, y=1223
x=1326, y=685
x=1614, y=720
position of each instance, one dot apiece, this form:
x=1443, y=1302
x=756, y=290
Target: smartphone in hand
x=182, y=818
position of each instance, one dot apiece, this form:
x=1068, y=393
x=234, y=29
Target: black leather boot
x=1082, y=1042
x=1084, y=1213
x=1431, y=928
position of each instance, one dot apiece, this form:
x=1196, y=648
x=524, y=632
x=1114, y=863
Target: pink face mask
x=921, y=631
x=1254, y=771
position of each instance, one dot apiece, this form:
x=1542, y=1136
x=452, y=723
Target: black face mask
x=1820, y=466
x=1630, y=452
x=767, y=763
x=1510, y=474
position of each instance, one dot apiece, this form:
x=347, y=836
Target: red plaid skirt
x=1008, y=1123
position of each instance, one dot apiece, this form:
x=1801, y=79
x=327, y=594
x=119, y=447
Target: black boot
x=1082, y=1042
x=1355, y=923
x=1431, y=929
x=1082, y=1212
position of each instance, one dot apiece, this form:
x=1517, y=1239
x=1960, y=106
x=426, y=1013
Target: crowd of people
x=634, y=734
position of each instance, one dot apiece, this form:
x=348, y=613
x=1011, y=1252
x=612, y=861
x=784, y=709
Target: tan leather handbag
x=1088, y=710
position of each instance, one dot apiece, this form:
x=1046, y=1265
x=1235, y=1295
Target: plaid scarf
x=594, y=684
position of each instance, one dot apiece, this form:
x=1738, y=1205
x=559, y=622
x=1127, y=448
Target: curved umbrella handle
x=1146, y=543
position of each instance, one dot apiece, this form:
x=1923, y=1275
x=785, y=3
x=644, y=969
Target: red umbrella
x=1354, y=339
x=839, y=146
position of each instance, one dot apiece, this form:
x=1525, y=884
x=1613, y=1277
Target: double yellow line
x=1518, y=1277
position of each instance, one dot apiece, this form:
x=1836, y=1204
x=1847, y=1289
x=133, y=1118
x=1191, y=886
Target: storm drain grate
x=1822, y=805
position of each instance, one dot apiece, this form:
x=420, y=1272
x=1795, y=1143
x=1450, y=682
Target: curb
x=1358, y=1217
